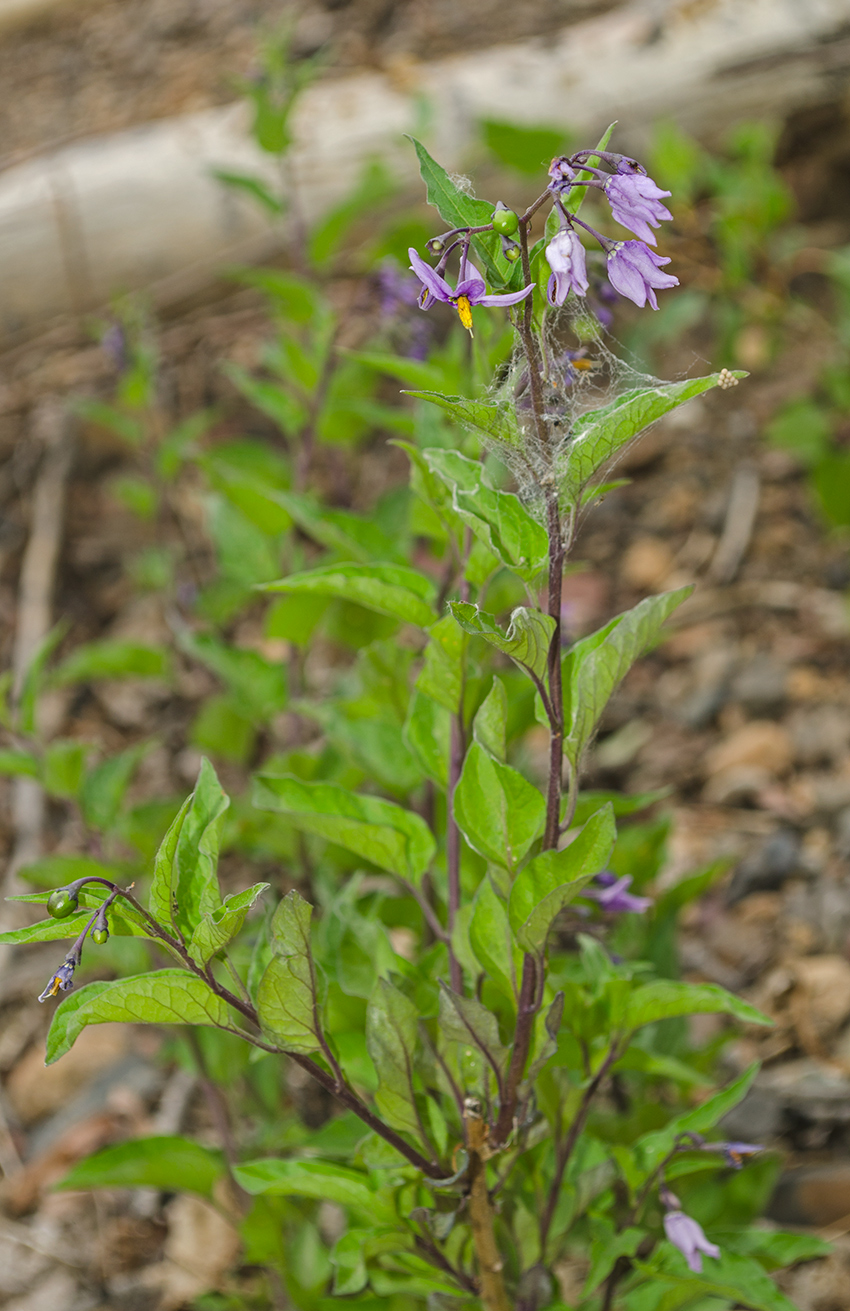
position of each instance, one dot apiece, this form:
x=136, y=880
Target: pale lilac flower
x=684, y=1232
x=566, y=258
x=636, y=202
x=633, y=270
x=470, y=290
x=612, y=894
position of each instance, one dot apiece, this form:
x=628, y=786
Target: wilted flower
x=566, y=258
x=633, y=270
x=612, y=894
x=686, y=1234
x=470, y=290
x=635, y=202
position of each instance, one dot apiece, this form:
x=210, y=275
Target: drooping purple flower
x=398, y=291
x=633, y=270
x=470, y=290
x=635, y=202
x=613, y=896
x=684, y=1232
x=566, y=258
x=62, y=980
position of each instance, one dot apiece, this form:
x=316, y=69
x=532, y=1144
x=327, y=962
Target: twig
x=456, y=753
x=738, y=525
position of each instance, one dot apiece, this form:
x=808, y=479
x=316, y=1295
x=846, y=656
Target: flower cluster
x=634, y=270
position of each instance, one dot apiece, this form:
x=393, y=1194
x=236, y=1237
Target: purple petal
x=472, y=288
x=437, y=286
x=510, y=298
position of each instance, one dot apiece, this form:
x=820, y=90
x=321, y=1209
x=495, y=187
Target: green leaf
x=772, y=1248
x=490, y=938
x=498, y=519
x=316, y=1179
x=380, y=831
x=605, y=1252
x=112, y=658
x=160, y=997
x=496, y=422
x=736, y=1277
x=466, y=1021
x=185, y=884
x=391, y=1037
x=57, y=871
x=527, y=149
x=653, y=1147
x=666, y=998
x=352, y=536
x=49, y=930
x=103, y=788
x=257, y=686
x=389, y=589
x=458, y=210
x=63, y=765
x=527, y=640
x=18, y=764
x=442, y=673
x=216, y=928
x=600, y=434
x=554, y=878
x=251, y=186
x=287, y=998
x=489, y=728
x=427, y=732
x=349, y=1262
x=499, y=811
x=168, y=1162
x=415, y=373
x=596, y=665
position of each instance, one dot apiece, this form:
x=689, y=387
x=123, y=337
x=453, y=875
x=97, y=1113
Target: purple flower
x=636, y=202
x=733, y=1153
x=684, y=1233
x=612, y=895
x=470, y=290
x=562, y=174
x=633, y=271
x=62, y=980
x=566, y=258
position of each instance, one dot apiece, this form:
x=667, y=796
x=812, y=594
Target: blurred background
x=173, y=175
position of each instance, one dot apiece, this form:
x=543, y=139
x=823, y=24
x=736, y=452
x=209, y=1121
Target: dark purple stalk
x=453, y=846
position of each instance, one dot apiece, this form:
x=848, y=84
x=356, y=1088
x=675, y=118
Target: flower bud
x=505, y=221
x=100, y=936
x=60, y=904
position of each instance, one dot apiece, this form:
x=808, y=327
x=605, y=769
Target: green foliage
x=395, y=904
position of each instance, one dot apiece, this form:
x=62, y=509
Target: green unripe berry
x=505, y=222
x=100, y=936
x=60, y=904
x=512, y=254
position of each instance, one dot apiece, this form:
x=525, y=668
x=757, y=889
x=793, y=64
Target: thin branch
x=457, y=751
x=566, y=1148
